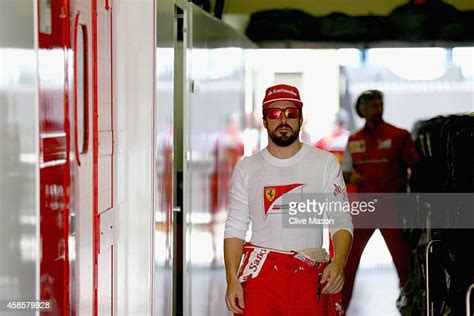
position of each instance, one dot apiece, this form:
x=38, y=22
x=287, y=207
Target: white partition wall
x=19, y=168
x=134, y=85
x=214, y=108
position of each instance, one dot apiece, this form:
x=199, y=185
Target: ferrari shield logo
x=270, y=194
x=357, y=146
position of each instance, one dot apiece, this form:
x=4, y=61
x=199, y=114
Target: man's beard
x=377, y=119
x=286, y=139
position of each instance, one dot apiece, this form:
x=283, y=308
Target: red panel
x=54, y=148
x=59, y=20
x=54, y=151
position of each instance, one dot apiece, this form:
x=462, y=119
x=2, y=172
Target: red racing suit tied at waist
x=288, y=278
x=260, y=259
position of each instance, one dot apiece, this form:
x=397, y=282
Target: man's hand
x=352, y=177
x=356, y=178
x=333, y=274
x=234, y=297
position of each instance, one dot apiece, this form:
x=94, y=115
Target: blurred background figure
x=336, y=141
x=305, y=134
x=252, y=133
x=228, y=149
x=376, y=161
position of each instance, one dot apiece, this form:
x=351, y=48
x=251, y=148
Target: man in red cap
x=284, y=271
x=376, y=161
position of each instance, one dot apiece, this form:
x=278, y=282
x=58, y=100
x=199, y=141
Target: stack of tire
x=445, y=145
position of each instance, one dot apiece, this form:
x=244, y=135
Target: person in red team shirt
x=336, y=141
x=376, y=160
x=285, y=270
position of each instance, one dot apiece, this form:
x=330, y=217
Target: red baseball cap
x=282, y=92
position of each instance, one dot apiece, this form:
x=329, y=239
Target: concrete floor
x=375, y=292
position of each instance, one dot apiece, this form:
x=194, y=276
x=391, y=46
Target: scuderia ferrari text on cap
x=282, y=92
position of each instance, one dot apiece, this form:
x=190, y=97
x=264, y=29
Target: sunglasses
x=291, y=113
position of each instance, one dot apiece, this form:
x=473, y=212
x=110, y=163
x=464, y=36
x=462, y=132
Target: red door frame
x=95, y=132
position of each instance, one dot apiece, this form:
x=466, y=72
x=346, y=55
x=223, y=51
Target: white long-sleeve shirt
x=258, y=185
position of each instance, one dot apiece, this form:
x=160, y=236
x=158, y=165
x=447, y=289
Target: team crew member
x=336, y=142
x=376, y=160
x=284, y=271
